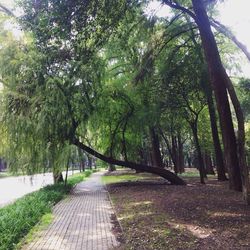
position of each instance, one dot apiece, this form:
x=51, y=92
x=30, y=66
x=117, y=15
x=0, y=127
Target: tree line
x=148, y=93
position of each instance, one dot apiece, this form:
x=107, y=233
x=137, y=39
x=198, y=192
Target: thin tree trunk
x=156, y=153
x=199, y=154
x=175, y=154
x=189, y=161
x=241, y=141
x=111, y=168
x=171, y=150
x=180, y=154
x=66, y=176
x=212, y=114
x=208, y=164
x=216, y=140
x=89, y=162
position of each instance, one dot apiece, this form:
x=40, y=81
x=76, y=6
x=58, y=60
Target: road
x=12, y=188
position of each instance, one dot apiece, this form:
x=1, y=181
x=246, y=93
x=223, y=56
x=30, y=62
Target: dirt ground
x=155, y=215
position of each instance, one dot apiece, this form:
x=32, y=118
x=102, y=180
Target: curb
x=119, y=224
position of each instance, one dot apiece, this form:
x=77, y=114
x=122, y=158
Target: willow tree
x=234, y=154
x=64, y=85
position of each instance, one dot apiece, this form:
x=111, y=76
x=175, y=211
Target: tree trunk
x=199, y=154
x=111, y=168
x=180, y=154
x=216, y=140
x=175, y=154
x=241, y=141
x=58, y=177
x=172, y=150
x=171, y=177
x=156, y=153
x=89, y=162
x=218, y=78
x=208, y=164
x=189, y=160
x=209, y=95
x=82, y=165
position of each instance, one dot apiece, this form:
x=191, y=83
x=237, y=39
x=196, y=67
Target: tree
x=64, y=87
x=221, y=83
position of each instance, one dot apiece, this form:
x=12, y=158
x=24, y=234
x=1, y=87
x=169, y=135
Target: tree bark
x=241, y=141
x=199, y=154
x=180, y=154
x=111, y=168
x=89, y=162
x=208, y=164
x=174, y=154
x=216, y=140
x=156, y=153
x=171, y=177
x=209, y=95
x=218, y=78
x=58, y=177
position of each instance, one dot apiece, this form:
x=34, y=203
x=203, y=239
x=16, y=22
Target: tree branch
x=6, y=10
x=168, y=175
x=226, y=32
x=175, y=5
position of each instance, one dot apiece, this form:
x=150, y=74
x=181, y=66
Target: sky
x=233, y=13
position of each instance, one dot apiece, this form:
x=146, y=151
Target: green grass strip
x=17, y=219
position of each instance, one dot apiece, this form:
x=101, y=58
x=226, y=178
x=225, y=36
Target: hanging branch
x=175, y=5
x=226, y=32
x=6, y=10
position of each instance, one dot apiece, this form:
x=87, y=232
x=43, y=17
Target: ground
x=155, y=215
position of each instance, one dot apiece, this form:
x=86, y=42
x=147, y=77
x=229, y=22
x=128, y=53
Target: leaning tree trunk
x=171, y=177
x=216, y=140
x=209, y=95
x=241, y=141
x=218, y=78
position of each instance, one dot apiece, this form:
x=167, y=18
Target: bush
x=17, y=219
x=88, y=173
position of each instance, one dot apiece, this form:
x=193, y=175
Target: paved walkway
x=81, y=222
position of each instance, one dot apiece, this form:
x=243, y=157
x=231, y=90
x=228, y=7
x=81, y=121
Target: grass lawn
x=155, y=215
x=5, y=174
x=20, y=218
x=109, y=179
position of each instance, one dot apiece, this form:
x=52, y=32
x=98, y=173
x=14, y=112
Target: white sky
x=233, y=13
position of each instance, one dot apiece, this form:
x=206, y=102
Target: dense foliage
x=103, y=76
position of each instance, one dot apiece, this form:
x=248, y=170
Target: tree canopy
x=105, y=77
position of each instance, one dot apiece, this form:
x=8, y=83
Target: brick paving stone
x=81, y=222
